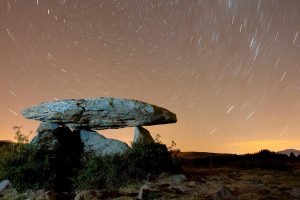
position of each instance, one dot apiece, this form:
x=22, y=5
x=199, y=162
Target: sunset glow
x=228, y=69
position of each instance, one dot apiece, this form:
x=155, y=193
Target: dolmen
x=67, y=124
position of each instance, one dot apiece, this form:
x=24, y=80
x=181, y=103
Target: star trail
x=229, y=69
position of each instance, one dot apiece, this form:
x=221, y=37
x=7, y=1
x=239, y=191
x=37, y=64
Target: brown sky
x=228, y=69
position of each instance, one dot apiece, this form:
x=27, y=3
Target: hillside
x=5, y=142
x=198, y=155
x=289, y=151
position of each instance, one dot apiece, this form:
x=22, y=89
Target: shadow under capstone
x=65, y=157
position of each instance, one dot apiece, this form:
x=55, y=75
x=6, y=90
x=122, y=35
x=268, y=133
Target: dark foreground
x=213, y=183
x=264, y=175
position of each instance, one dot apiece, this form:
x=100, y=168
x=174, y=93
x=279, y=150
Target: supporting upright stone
x=142, y=135
x=47, y=126
x=96, y=144
x=63, y=148
x=47, y=135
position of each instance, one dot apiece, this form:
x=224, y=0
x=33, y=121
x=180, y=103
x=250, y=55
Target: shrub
x=100, y=172
x=116, y=170
x=19, y=136
x=5, y=148
x=26, y=168
x=144, y=159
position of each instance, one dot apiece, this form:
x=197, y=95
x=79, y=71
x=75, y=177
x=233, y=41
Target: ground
x=245, y=184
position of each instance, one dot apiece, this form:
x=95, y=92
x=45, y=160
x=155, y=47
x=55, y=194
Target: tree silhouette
x=292, y=156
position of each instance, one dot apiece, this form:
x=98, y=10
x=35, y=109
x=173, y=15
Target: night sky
x=230, y=70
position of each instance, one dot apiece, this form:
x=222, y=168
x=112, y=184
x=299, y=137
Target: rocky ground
x=208, y=184
x=246, y=184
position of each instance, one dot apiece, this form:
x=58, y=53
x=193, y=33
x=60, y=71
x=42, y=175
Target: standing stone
x=98, y=145
x=100, y=113
x=51, y=136
x=142, y=135
x=46, y=126
x=63, y=148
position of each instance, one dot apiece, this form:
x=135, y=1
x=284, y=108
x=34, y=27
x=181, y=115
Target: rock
x=51, y=136
x=148, y=189
x=100, y=113
x=4, y=185
x=46, y=126
x=174, y=184
x=47, y=195
x=32, y=194
x=170, y=184
x=89, y=195
x=96, y=144
x=192, y=184
x=173, y=179
x=267, y=176
x=255, y=182
x=295, y=192
x=142, y=135
x=234, y=175
x=98, y=194
x=217, y=178
x=47, y=140
x=224, y=193
x=177, y=189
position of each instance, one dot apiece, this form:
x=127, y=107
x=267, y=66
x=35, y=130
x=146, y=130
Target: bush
x=25, y=165
x=116, y=170
x=26, y=168
x=144, y=159
x=100, y=172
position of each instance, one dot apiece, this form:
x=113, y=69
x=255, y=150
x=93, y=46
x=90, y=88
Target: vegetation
x=27, y=168
x=24, y=165
x=19, y=136
x=138, y=163
x=31, y=167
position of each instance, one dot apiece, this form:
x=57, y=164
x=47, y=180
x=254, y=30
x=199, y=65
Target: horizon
x=127, y=137
x=228, y=69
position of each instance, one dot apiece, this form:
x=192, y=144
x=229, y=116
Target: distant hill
x=5, y=142
x=198, y=155
x=288, y=152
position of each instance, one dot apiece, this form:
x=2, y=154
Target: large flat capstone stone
x=100, y=113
